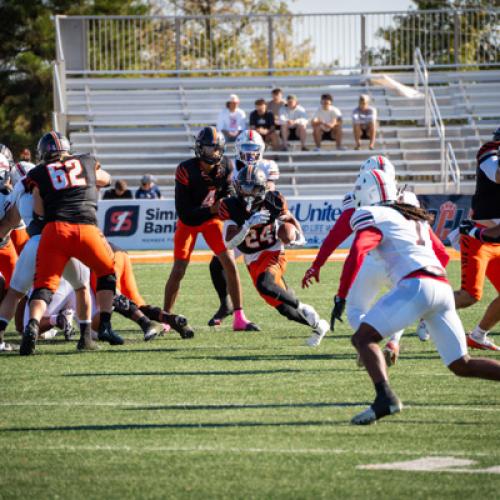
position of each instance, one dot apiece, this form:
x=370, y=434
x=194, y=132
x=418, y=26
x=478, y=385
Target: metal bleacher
x=147, y=125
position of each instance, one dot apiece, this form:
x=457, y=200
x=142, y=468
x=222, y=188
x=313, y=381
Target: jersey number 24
x=66, y=175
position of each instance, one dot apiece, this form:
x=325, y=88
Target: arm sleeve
x=439, y=249
x=366, y=240
x=338, y=233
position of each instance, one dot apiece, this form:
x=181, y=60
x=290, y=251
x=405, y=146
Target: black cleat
x=106, y=334
x=252, y=327
x=85, y=343
x=179, y=324
x=218, y=317
x=28, y=341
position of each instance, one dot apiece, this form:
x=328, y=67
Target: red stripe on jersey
x=181, y=176
x=380, y=184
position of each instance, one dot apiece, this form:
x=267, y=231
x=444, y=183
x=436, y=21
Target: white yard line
x=221, y=450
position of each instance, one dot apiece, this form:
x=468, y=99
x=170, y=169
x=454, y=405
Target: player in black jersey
x=200, y=184
x=254, y=217
x=481, y=258
x=64, y=188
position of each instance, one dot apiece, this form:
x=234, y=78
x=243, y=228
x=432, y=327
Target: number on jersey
x=261, y=237
x=65, y=175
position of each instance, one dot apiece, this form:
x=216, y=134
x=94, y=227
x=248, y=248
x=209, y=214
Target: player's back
x=406, y=245
x=68, y=188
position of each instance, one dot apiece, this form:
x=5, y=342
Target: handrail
x=438, y=123
x=59, y=69
x=452, y=167
x=422, y=75
x=59, y=45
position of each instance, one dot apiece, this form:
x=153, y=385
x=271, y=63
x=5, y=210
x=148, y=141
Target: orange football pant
x=274, y=263
x=19, y=237
x=62, y=240
x=8, y=259
x=185, y=238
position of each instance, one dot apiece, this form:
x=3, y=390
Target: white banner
x=150, y=224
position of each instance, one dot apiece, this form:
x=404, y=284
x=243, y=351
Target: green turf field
x=239, y=415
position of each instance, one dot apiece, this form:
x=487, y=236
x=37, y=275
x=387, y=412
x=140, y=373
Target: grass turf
x=237, y=415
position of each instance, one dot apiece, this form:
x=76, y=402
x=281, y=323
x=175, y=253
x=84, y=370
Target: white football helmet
x=250, y=147
x=374, y=187
x=19, y=170
x=409, y=198
x=379, y=163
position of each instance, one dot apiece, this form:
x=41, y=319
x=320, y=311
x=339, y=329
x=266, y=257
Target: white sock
x=479, y=333
x=396, y=337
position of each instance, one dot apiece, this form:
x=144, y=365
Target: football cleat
x=318, y=333
x=64, y=322
x=222, y=313
x=485, y=344
x=150, y=333
x=422, y=332
x=245, y=326
x=180, y=324
x=391, y=353
x=369, y=416
x=106, y=334
x=4, y=347
x=85, y=343
x=309, y=314
x=28, y=342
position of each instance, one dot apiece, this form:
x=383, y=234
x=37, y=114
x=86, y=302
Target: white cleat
x=4, y=347
x=310, y=314
x=422, y=332
x=318, y=333
x=150, y=334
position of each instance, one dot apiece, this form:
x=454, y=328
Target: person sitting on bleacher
x=364, y=122
x=232, y=119
x=148, y=189
x=262, y=120
x=327, y=123
x=119, y=192
x=293, y=123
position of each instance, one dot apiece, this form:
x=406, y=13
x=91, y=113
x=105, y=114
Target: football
x=287, y=233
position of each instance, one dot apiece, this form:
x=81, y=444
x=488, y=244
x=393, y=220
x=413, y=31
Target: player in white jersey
x=250, y=149
x=400, y=235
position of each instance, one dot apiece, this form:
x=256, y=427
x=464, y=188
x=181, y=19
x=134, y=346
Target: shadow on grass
x=119, y=350
x=184, y=374
x=276, y=357
x=194, y=425
x=249, y=406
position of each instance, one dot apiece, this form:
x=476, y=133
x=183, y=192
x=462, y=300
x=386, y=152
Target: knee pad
x=107, y=282
x=42, y=294
x=124, y=306
x=152, y=313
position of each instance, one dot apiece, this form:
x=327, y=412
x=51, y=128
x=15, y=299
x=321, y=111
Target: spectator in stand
x=119, y=192
x=293, y=123
x=148, y=190
x=262, y=121
x=232, y=119
x=275, y=105
x=364, y=122
x=25, y=155
x=327, y=123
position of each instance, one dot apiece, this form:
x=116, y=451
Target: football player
x=373, y=276
x=200, y=184
x=64, y=188
x=250, y=148
x=481, y=259
x=252, y=222
x=400, y=235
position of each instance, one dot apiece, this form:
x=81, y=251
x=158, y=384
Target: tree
x=457, y=36
x=27, y=49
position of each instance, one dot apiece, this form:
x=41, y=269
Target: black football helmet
x=52, y=145
x=251, y=186
x=210, y=145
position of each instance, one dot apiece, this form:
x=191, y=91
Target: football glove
x=259, y=218
x=311, y=273
x=338, y=309
x=300, y=241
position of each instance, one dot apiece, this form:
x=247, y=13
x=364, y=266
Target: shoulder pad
x=275, y=203
x=362, y=218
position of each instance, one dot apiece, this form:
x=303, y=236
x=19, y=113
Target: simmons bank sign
x=150, y=224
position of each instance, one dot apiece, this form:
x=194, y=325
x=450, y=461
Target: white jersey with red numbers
x=406, y=245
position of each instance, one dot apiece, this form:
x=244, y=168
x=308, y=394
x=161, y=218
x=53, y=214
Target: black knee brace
x=107, y=282
x=267, y=286
x=42, y=294
x=124, y=306
x=151, y=312
x=291, y=313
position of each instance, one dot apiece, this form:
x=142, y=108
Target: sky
x=314, y=6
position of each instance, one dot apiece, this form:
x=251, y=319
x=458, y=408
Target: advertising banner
x=150, y=224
